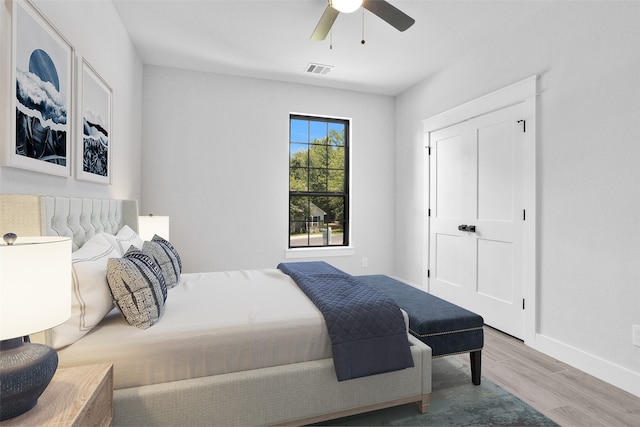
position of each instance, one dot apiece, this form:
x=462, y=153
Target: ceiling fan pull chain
x=331, y=39
x=362, y=41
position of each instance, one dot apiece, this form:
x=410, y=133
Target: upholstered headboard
x=78, y=218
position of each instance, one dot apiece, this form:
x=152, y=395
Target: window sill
x=319, y=252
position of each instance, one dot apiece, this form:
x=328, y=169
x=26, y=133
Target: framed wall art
x=94, y=141
x=42, y=89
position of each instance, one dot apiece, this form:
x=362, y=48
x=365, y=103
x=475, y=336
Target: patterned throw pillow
x=172, y=254
x=138, y=288
x=166, y=257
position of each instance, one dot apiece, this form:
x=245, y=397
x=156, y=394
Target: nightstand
x=78, y=396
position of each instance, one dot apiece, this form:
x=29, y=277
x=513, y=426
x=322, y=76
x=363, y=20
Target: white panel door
x=448, y=247
x=476, y=222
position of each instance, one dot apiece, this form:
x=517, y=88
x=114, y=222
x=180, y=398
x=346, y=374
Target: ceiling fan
x=384, y=10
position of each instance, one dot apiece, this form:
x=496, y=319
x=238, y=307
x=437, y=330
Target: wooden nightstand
x=79, y=396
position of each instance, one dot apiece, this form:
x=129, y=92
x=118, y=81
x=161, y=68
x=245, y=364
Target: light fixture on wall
x=151, y=224
x=35, y=295
x=346, y=6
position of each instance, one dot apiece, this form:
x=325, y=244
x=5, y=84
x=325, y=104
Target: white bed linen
x=214, y=323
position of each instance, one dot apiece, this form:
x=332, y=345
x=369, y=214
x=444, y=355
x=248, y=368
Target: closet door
x=476, y=222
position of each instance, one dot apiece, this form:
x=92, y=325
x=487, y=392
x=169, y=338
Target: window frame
x=325, y=249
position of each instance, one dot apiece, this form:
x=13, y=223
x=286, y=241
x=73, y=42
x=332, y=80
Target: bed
x=201, y=374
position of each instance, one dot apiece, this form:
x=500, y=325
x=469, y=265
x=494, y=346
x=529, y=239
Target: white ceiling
x=270, y=39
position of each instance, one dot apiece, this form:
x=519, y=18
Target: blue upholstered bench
x=443, y=326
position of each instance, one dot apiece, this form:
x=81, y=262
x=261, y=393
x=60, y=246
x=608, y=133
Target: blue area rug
x=455, y=401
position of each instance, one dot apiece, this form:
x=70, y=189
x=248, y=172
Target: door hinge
x=429, y=212
x=524, y=125
x=523, y=303
x=428, y=273
x=524, y=214
x=429, y=150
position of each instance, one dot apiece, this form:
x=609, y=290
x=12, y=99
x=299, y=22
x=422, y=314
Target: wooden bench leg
x=476, y=366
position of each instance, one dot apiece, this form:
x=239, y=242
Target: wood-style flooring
x=566, y=395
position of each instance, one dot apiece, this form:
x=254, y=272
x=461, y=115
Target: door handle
x=469, y=228
x=462, y=227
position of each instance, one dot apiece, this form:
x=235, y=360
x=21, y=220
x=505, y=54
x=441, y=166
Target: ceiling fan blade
x=324, y=25
x=389, y=13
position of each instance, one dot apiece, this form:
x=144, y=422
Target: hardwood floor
x=566, y=395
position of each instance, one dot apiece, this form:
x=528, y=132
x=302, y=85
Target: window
x=318, y=182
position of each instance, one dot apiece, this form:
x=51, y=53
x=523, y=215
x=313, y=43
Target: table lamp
x=153, y=224
x=35, y=295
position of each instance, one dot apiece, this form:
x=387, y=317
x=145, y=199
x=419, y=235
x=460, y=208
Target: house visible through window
x=318, y=182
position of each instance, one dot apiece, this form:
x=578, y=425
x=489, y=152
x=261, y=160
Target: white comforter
x=214, y=323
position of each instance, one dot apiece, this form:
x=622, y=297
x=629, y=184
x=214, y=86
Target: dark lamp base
x=25, y=372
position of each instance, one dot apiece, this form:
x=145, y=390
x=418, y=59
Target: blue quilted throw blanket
x=367, y=329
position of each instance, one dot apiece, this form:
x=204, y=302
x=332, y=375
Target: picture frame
x=94, y=141
x=41, y=95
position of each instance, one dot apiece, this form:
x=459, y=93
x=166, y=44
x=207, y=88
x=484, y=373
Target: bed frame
x=295, y=394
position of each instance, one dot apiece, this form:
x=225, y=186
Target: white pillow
x=127, y=238
x=90, y=296
x=113, y=241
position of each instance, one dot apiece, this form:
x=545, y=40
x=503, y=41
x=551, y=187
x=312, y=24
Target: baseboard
x=616, y=375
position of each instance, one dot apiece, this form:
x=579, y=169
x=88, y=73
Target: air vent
x=318, y=69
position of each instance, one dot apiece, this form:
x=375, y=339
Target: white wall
x=587, y=152
x=215, y=158
x=96, y=32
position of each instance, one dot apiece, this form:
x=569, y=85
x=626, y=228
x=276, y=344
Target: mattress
x=214, y=323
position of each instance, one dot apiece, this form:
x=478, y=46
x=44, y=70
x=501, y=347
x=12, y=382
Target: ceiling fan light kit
x=381, y=8
x=345, y=6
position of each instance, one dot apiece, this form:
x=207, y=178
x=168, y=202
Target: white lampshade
x=35, y=285
x=153, y=224
x=346, y=6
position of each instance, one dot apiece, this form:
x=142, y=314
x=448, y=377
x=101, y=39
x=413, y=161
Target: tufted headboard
x=78, y=218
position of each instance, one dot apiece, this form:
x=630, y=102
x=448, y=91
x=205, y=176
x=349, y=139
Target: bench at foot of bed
x=445, y=327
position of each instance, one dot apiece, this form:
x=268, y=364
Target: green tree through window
x=318, y=182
